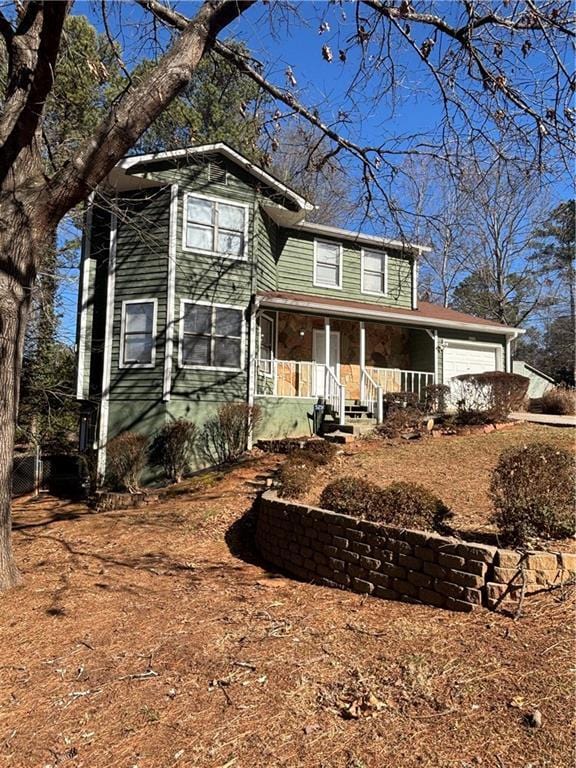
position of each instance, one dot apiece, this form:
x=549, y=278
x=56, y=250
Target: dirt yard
x=153, y=638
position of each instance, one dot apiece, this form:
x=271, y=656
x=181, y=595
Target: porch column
x=362, y=358
x=326, y=352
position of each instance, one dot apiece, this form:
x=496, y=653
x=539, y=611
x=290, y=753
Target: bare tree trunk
x=23, y=236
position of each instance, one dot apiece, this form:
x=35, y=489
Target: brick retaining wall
x=398, y=564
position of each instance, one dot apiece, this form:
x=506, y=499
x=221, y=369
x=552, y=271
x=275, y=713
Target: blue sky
x=294, y=40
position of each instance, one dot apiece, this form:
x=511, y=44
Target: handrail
x=334, y=392
x=371, y=394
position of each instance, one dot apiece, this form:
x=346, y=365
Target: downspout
x=415, y=260
x=434, y=336
x=108, y=343
x=254, y=305
x=509, y=339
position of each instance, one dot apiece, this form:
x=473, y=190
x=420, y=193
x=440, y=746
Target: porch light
x=302, y=333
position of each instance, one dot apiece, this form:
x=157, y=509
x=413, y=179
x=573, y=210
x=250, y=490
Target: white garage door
x=460, y=359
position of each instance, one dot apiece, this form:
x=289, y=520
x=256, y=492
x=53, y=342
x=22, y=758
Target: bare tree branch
x=140, y=106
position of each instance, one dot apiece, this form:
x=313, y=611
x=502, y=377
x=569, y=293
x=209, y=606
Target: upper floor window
x=327, y=264
x=211, y=336
x=138, y=333
x=214, y=226
x=375, y=272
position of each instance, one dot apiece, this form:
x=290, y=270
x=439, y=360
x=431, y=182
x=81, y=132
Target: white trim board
x=84, y=288
x=170, y=294
x=108, y=336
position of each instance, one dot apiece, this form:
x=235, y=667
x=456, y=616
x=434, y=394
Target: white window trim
x=209, y=252
x=363, y=252
x=316, y=282
x=191, y=366
x=152, y=363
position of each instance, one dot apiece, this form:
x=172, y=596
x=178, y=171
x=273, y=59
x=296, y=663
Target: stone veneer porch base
x=399, y=564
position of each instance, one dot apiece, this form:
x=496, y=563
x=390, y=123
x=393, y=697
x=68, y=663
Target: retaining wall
x=398, y=564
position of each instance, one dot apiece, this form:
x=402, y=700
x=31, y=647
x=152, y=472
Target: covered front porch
x=366, y=359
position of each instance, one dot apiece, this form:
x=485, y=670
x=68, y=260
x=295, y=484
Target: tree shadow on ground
x=240, y=538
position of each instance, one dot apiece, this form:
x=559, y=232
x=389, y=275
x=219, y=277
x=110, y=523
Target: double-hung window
x=374, y=272
x=211, y=336
x=138, y=333
x=214, y=226
x=327, y=264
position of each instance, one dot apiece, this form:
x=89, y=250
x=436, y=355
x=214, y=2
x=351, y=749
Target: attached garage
x=459, y=358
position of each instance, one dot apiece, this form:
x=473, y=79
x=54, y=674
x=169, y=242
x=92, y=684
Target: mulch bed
x=154, y=638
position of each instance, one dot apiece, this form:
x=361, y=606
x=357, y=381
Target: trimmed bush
x=126, y=457
x=297, y=473
x=533, y=493
x=403, y=505
x=173, y=448
x=225, y=436
x=560, y=401
x=322, y=451
x=491, y=396
x=410, y=505
x=352, y=496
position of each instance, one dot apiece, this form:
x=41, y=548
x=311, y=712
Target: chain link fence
x=60, y=474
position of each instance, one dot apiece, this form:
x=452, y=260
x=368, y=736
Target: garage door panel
x=460, y=359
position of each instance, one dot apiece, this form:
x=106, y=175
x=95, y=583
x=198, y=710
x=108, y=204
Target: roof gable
x=129, y=166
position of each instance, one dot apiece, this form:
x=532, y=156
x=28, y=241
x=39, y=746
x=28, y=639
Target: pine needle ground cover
x=154, y=638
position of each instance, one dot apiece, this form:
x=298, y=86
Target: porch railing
x=399, y=380
x=307, y=379
x=300, y=378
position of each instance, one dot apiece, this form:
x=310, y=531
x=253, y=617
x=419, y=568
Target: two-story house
x=202, y=282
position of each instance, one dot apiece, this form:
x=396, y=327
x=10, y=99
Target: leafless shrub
x=173, y=448
x=126, y=457
x=560, y=401
x=225, y=436
x=533, y=492
x=436, y=397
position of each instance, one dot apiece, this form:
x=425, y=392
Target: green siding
x=141, y=273
x=296, y=272
x=265, y=251
x=284, y=417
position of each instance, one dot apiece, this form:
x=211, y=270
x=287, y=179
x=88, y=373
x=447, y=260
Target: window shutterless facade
x=211, y=336
x=374, y=272
x=138, y=333
x=327, y=264
x=214, y=226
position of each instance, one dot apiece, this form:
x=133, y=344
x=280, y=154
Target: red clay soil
x=152, y=638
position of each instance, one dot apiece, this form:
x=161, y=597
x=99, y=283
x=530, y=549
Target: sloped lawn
x=458, y=469
x=154, y=638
